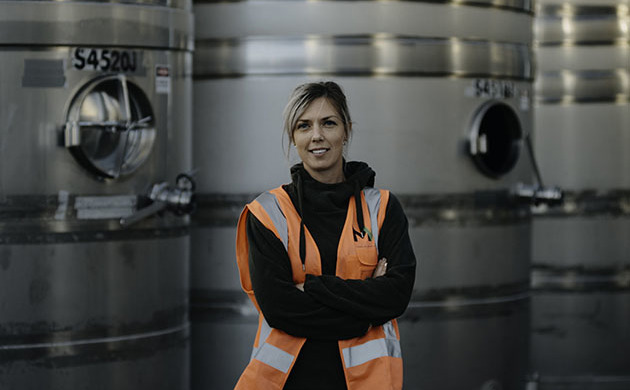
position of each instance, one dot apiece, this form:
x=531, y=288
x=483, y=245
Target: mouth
x=319, y=151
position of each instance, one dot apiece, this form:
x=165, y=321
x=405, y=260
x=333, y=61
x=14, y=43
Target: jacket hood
x=357, y=173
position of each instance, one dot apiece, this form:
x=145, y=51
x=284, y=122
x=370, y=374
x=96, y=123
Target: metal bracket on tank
x=537, y=194
x=162, y=196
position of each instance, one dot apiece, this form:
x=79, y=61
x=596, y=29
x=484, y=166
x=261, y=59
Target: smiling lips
x=319, y=151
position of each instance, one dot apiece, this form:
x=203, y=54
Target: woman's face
x=319, y=136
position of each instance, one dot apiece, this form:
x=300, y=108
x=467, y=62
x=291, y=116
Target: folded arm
x=284, y=306
x=379, y=299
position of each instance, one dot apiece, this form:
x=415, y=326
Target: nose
x=317, y=133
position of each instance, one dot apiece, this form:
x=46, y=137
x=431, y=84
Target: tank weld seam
x=560, y=11
x=613, y=42
x=101, y=340
x=519, y=6
x=588, y=203
x=44, y=47
x=477, y=208
x=345, y=39
x=573, y=379
x=460, y=302
x=380, y=75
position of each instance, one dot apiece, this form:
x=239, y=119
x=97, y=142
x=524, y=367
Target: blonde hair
x=303, y=95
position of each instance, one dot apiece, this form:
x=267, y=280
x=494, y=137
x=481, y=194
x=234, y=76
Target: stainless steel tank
x=441, y=96
x=580, y=251
x=95, y=123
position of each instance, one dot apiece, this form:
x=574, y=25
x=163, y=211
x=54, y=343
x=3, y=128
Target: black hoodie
x=330, y=308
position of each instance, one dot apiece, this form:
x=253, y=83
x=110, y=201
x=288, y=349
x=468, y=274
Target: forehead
x=318, y=108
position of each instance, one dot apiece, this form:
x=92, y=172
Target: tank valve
x=179, y=199
x=537, y=195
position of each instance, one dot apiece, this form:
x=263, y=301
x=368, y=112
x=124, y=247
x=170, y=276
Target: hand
x=300, y=286
x=381, y=268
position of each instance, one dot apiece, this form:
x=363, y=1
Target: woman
x=308, y=255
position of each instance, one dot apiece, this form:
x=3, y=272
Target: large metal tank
x=95, y=108
x=440, y=93
x=581, y=251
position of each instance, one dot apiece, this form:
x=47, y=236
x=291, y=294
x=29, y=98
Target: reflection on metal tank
x=95, y=108
x=440, y=92
x=580, y=251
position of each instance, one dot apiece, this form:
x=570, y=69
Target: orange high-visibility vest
x=372, y=361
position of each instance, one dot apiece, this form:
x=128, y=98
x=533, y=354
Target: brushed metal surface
x=582, y=118
x=183, y=4
x=571, y=23
x=584, y=146
x=580, y=340
x=375, y=55
x=225, y=20
x=591, y=242
x=580, y=249
x=85, y=303
x=117, y=304
x=54, y=23
x=585, y=86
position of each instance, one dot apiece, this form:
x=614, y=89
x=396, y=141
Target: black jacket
x=330, y=308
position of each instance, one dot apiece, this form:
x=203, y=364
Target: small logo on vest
x=362, y=234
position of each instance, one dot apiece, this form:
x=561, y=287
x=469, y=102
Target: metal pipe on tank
x=581, y=268
x=95, y=108
x=441, y=95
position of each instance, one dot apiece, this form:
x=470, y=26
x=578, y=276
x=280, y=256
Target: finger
x=381, y=268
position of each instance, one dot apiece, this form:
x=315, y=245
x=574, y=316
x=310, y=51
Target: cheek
x=298, y=139
x=340, y=137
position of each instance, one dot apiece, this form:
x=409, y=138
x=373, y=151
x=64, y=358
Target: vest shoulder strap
x=376, y=200
x=267, y=208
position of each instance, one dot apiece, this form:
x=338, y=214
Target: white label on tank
x=62, y=207
x=105, y=207
x=162, y=79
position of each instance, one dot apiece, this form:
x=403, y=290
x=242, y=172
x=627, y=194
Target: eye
x=330, y=123
x=302, y=126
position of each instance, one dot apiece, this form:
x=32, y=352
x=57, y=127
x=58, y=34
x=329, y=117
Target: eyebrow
x=323, y=119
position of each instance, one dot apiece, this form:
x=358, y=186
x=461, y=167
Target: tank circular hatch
x=110, y=128
x=495, y=139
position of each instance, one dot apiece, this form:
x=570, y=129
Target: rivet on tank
x=95, y=188
x=441, y=92
x=580, y=250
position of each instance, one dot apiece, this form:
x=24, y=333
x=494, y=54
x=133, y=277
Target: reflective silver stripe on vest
x=270, y=203
x=274, y=357
x=373, y=349
x=390, y=332
x=373, y=199
x=270, y=354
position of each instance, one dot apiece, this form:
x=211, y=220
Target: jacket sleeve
x=283, y=305
x=376, y=300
